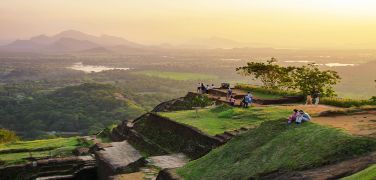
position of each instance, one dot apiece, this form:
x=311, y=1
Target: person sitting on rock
x=232, y=101
x=212, y=86
x=293, y=116
x=199, y=88
x=302, y=117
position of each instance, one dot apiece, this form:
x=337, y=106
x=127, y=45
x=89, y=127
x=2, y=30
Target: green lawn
x=176, y=75
x=367, y=174
x=58, y=142
x=56, y=147
x=220, y=119
x=274, y=146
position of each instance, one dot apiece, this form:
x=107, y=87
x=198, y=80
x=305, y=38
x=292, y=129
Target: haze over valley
x=188, y=89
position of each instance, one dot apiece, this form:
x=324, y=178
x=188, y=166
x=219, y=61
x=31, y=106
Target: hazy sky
x=280, y=23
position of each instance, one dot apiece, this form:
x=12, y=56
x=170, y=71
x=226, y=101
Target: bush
x=7, y=136
x=220, y=108
x=264, y=90
x=226, y=114
x=340, y=102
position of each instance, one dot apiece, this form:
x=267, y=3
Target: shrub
x=220, y=108
x=7, y=136
x=340, y=102
x=264, y=90
x=226, y=114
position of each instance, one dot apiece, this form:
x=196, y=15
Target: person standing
x=316, y=97
x=309, y=100
x=229, y=93
x=250, y=98
x=203, y=89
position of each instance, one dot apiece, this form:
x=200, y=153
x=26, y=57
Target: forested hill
x=84, y=108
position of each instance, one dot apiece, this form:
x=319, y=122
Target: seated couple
x=299, y=117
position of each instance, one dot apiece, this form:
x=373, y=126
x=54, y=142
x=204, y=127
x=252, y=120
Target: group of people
x=246, y=101
x=313, y=99
x=298, y=116
x=201, y=88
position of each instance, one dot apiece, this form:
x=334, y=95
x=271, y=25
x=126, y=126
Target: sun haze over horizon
x=274, y=23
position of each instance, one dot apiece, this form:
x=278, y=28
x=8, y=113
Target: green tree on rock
x=310, y=79
x=307, y=79
x=271, y=75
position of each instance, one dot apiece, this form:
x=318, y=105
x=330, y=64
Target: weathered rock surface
x=118, y=158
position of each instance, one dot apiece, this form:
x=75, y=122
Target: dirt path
x=360, y=124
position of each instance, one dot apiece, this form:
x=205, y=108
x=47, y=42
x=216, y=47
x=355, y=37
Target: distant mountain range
x=69, y=41
x=72, y=41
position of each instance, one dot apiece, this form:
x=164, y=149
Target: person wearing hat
x=302, y=117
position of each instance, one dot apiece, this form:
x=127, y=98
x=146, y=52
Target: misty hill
x=67, y=41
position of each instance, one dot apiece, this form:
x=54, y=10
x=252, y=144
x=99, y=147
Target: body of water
x=90, y=68
x=327, y=64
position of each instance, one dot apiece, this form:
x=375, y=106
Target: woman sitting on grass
x=292, y=118
x=302, y=117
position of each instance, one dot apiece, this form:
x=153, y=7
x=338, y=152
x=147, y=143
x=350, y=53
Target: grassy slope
x=275, y=146
x=217, y=120
x=176, y=75
x=59, y=147
x=367, y=174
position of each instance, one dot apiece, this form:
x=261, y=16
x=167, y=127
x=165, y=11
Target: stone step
x=231, y=134
x=57, y=177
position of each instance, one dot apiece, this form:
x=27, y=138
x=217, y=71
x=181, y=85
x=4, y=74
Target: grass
x=274, y=146
x=366, y=174
x=48, y=147
x=181, y=76
x=223, y=118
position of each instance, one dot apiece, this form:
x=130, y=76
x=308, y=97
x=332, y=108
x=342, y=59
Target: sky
x=276, y=23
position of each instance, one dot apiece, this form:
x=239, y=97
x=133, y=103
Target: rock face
x=182, y=103
x=119, y=157
x=69, y=167
x=164, y=136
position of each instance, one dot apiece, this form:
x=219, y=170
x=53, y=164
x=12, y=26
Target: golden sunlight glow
x=282, y=23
